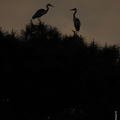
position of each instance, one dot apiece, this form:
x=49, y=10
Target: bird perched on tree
x=76, y=21
x=41, y=12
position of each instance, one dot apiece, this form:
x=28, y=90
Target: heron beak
x=71, y=9
x=52, y=6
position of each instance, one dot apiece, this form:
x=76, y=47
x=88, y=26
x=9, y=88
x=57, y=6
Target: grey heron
x=76, y=21
x=41, y=12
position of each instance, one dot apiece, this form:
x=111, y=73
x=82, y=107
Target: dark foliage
x=45, y=75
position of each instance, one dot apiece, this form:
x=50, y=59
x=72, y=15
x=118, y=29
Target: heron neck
x=74, y=14
x=47, y=8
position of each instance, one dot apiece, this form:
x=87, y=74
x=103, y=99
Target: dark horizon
x=47, y=76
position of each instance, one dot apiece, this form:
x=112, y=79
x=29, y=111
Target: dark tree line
x=48, y=76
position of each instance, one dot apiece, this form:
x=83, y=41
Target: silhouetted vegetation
x=48, y=76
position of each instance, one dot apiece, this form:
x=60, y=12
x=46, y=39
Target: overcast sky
x=99, y=18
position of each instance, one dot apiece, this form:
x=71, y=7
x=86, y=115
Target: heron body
x=41, y=12
x=77, y=24
x=76, y=21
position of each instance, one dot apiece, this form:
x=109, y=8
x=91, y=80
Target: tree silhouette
x=47, y=75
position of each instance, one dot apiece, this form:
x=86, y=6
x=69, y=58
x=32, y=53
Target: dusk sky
x=99, y=18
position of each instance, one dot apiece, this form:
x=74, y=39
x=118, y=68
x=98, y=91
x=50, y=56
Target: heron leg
x=39, y=20
x=31, y=21
x=76, y=32
x=73, y=32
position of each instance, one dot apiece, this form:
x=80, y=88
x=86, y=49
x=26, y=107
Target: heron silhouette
x=41, y=12
x=76, y=21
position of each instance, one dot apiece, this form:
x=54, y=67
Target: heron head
x=74, y=9
x=50, y=5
